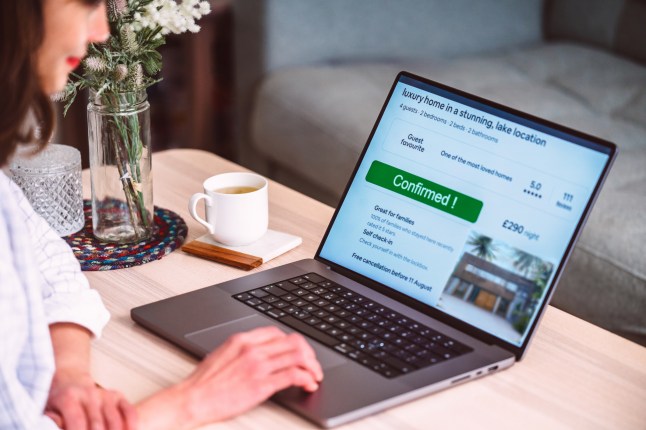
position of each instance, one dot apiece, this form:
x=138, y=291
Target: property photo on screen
x=496, y=285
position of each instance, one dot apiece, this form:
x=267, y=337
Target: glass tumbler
x=51, y=181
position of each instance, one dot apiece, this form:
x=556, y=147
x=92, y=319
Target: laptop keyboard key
x=335, y=332
x=287, y=286
x=312, y=320
x=310, y=308
x=346, y=338
x=342, y=313
x=343, y=348
x=290, y=309
x=275, y=313
x=342, y=324
x=275, y=291
x=253, y=302
x=331, y=308
x=259, y=293
x=313, y=277
x=323, y=326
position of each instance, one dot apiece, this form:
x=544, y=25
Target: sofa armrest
x=616, y=25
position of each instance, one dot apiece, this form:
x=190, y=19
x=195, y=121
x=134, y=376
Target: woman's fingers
x=73, y=414
x=93, y=408
x=290, y=377
x=232, y=348
x=111, y=412
x=56, y=417
x=293, y=350
x=274, y=352
x=118, y=413
x=128, y=412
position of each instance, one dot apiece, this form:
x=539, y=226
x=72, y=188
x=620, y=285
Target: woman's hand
x=75, y=402
x=245, y=371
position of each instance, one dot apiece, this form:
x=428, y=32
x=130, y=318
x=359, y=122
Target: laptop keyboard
x=357, y=327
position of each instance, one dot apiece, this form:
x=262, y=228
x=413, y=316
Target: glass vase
x=120, y=166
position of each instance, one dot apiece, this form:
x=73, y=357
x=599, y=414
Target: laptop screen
x=465, y=206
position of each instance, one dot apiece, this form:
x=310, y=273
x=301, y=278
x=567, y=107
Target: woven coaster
x=169, y=233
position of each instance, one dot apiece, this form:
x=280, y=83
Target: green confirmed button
x=425, y=191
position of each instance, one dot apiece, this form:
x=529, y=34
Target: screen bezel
x=542, y=125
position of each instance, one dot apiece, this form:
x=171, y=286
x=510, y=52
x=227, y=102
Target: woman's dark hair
x=21, y=34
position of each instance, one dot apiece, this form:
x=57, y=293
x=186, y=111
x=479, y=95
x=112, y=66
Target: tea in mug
x=236, y=190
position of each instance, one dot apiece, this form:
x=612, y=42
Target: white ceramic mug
x=236, y=204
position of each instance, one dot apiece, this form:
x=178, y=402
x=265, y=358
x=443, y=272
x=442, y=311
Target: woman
x=48, y=312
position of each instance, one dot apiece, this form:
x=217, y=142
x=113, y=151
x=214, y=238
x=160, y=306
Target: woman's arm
x=74, y=314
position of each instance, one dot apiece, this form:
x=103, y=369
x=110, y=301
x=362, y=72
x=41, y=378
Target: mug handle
x=192, y=208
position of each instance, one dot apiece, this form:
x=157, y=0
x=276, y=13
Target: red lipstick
x=73, y=62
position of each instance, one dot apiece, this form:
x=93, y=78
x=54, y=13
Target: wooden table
x=576, y=375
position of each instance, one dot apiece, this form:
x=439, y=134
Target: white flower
x=171, y=17
x=59, y=96
x=129, y=39
x=95, y=64
x=136, y=76
x=117, y=8
x=120, y=72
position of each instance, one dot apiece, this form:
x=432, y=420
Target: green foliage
x=521, y=324
x=483, y=246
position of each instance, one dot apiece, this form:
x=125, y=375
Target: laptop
x=437, y=265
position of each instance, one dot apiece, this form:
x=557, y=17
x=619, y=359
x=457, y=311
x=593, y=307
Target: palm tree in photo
x=483, y=246
x=525, y=262
x=542, y=274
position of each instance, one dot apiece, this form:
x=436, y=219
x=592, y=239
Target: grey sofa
x=313, y=74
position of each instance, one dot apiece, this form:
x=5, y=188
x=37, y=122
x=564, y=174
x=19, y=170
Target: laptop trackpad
x=212, y=337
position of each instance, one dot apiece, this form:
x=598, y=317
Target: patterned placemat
x=169, y=233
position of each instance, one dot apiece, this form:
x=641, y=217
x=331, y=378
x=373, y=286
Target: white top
x=40, y=284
